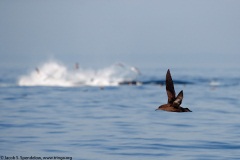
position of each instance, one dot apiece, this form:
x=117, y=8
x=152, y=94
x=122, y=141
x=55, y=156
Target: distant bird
x=174, y=102
x=37, y=70
x=76, y=66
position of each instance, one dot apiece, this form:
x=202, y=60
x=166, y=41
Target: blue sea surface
x=120, y=122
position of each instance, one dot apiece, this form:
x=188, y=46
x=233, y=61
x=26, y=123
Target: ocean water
x=59, y=113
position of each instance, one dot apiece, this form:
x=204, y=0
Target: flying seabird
x=174, y=102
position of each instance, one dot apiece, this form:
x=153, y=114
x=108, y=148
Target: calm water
x=120, y=122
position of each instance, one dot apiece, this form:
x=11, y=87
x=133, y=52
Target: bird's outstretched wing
x=170, y=88
x=178, y=100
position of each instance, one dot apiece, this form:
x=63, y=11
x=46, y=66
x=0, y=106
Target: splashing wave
x=56, y=74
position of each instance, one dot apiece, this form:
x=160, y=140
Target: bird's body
x=170, y=108
x=174, y=102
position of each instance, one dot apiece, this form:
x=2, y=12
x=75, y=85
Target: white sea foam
x=214, y=83
x=56, y=74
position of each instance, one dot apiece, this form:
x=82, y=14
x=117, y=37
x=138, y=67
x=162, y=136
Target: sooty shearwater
x=174, y=102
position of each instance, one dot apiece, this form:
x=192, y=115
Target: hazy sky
x=138, y=32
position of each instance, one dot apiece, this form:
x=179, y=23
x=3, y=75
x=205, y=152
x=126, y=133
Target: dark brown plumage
x=174, y=102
